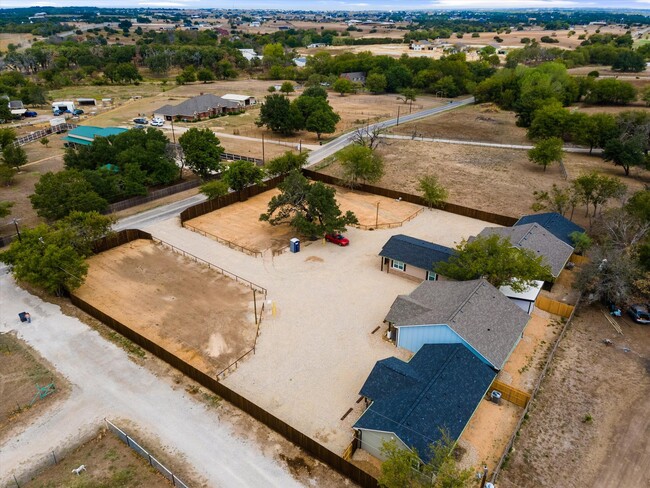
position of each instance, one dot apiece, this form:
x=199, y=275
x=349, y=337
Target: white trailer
x=62, y=106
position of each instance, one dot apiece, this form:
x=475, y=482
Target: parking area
x=316, y=345
x=240, y=224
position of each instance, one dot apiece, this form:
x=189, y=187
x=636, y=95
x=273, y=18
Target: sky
x=338, y=4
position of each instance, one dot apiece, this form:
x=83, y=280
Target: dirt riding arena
x=21, y=370
x=589, y=424
x=208, y=321
x=240, y=224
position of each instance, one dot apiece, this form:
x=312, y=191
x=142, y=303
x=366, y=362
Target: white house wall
x=372, y=441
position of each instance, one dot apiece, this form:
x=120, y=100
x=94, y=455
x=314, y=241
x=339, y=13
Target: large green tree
x=289, y=161
x=58, y=194
x=546, y=152
x=310, y=208
x=625, y=153
x=14, y=156
x=360, y=164
x=595, y=189
x=53, y=257
x=241, y=174
x=343, y=86
x=610, y=91
x=278, y=114
x=376, y=83
x=497, y=260
x=202, y=151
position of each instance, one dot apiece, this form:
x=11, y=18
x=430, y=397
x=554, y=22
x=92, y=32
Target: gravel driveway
x=106, y=384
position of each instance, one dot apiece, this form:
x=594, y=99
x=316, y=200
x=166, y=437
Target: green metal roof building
x=85, y=134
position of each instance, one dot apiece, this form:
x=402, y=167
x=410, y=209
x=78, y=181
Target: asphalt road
x=165, y=212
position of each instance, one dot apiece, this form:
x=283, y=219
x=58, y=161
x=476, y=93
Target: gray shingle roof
x=440, y=387
x=479, y=313
x=556, y=224
x=202, y=103
x=416, y=252
x=533, y=236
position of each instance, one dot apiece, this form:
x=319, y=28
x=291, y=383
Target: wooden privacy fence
x=153, y=195
x=510, y=394
x=293, y=435
x=416, y=199
x=553, y=306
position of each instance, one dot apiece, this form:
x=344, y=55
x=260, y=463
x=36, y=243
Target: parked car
x=337, y=239
x=56, y=113
x=639, y=313
x=157, y=122
x=78, y=111
x=139, y=126
x=140, y=120
x=30, y=113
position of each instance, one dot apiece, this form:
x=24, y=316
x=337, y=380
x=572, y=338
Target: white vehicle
x=157, y=122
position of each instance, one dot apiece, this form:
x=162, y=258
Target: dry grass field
x=24, y=40
x=240, y=224
x=589, y=424
x=109, y=463
x=21, y=369
x=208, y=321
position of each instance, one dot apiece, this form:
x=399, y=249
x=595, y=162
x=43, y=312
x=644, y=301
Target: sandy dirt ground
x=42, y=160
x=106, y=384
x=502, y=180
x=240, y=224
x=311, y=356
x=108, y=462
x=208, y=333
x=24, y=40
x=21, y=370
x=589, y=424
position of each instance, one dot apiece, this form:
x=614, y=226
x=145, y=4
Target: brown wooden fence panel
x=493, y=218
x=553, y=306
x=317, y=450
x=119, y=238
x=510, y=394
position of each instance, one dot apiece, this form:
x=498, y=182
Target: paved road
x=340, y=142
x=485, y=144
x=106, y=384
x=157, y=214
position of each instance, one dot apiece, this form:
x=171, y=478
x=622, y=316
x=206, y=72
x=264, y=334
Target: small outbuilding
x=84, y=135
x=412, y=257
x=525, y=299
x=242, y=100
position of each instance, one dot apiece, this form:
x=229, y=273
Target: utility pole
x=377, y=216
x=173, y=135
x=15, y=222
x=263, y=158
x=398, y=107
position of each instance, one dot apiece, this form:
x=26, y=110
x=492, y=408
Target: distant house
x=16, y=107
x=242, y=100
x=473, y=313
x=254, y=24
x=84, y=135
x=250, y=54
x=355, y=76
x=196, y=108
x=413, y=257
x=315, y=45
x=554, y=251
x=556, y=224
x=439, y=388
x=300, y=62
x=423, y=45
x=86, y=102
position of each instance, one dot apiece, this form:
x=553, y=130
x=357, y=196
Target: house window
x=431, y=276
x=398, y=265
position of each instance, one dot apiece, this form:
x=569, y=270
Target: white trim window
x=398, y=265
x=431, y=276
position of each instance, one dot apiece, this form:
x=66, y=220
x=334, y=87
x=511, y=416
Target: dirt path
x=106, y=384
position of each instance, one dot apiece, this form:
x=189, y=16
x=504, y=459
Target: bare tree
x=370, y=137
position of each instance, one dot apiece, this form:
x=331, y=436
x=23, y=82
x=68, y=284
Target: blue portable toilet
x=294, y=245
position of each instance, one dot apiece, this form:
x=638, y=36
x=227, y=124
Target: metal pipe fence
x=39, y=134
x=252, y=252
x=237, y=278
x=222, y=374
x=153, y=462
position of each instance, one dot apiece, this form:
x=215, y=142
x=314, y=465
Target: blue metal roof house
x=85, y=134
x=473, y=313
x=413, y=257
x=439, y=388
x=556, y=224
